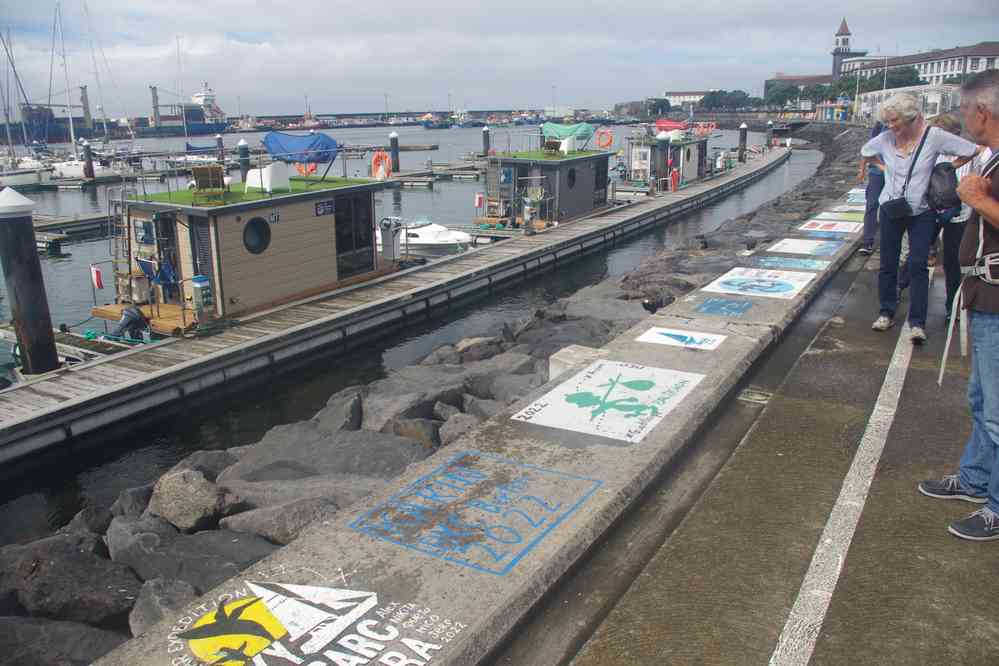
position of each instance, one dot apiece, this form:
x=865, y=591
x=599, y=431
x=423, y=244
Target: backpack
x=942, y=191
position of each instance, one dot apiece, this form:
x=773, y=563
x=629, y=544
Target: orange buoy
x=605, y=138
x=306, y=169
x=381, y=165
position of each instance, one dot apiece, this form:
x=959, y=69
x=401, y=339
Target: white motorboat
x=25, y=179
x=426, y=239
x=74, y=169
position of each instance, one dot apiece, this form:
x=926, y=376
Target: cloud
x=265, y=56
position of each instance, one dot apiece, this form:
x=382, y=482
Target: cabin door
x=355, y=239
x=201, y=246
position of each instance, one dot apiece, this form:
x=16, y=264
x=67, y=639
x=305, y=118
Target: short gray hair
x=983, y=88
x=904, y=105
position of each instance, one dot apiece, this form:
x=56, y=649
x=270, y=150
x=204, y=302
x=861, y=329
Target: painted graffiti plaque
x=824, y=234
x=675, y=337
x=792, y=263
x=761, y=282
x=612, y=399
x=724, y=307
x=849, y=208
x=837, y=226
x=804, y=246
x=478, y=510
x=849, y=217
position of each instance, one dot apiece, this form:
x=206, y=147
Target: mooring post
x=244, y=159
x=485, y=141
x=394, y=149
x=221, y=149
x=22, y=272
x=743, y=134
x=770, y=134
x=88, y=160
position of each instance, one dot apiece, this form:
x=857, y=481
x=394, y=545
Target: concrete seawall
x=440, y=567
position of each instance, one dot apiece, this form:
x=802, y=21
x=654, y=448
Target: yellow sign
x=233, y=633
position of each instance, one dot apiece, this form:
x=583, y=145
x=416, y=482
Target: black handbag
x=942, y=192
x=899, y=207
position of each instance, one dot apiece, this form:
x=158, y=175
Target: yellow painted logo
x=234, y=632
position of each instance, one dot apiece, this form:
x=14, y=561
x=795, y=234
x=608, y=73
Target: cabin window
x=256, y=235
x=144, y=234
x=571, y=178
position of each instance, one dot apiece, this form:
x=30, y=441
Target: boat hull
x=25, y=179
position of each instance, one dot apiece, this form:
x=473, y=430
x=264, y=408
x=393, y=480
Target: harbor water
x=40, y=495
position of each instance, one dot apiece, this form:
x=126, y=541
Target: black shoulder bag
x=899, y=207
x=942, y=192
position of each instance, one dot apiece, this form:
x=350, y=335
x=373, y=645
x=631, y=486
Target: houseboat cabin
x=186, y=259
x=545, y=186
x=667, y=160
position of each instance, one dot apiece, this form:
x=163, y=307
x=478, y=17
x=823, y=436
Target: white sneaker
x=883, y=323
x=917, y=335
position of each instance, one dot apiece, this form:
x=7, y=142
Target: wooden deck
x=164, y=318
x=55, y=407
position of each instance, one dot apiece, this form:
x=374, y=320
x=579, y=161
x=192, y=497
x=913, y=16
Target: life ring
x=381, y=165
x=605, y=138
x=306, y=170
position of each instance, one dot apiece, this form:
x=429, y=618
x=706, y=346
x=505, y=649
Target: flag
x=95, y=276
x=479, y=199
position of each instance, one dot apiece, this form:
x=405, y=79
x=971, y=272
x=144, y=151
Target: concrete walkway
x=801, y=550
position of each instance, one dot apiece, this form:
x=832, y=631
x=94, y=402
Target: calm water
x=44, y=494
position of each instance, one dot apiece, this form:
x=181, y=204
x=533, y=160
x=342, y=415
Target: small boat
x=74, y=169
x=426, y=239
x=25, y=179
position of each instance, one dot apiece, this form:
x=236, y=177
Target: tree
x=898, y=77
x=779, y=93
x=817, y=92
x=725, y=99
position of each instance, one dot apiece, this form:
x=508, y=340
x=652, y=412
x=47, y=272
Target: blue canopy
x=316, y=147
x=199, y=149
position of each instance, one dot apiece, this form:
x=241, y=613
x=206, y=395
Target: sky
x=265, y=57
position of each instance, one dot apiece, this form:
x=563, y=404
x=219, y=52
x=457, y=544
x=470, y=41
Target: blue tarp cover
x=199, y=149
x=300, y=148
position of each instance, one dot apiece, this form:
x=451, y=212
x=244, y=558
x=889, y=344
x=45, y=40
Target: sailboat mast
x=180, y=90
x=65, y=69
x=6, y=94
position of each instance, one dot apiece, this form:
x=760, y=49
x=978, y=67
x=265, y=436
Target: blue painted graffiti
x=478, y=510
x=825, y=234
x=687, y=339
x=724, y=307
x=757, y=285
x=792, y=263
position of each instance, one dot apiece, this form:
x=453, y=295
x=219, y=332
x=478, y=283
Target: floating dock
x=52, y=409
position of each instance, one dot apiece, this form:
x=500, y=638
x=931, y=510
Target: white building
x=934, y=67
x=934, y=99
x=684, y=98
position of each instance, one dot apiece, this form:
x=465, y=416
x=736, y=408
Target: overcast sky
x=265, y=57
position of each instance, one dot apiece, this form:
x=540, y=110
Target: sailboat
x=15, y=172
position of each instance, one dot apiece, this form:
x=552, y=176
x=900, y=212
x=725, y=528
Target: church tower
x=842, y=50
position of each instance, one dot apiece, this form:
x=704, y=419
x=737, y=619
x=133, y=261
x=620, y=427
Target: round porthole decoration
x=256, y=235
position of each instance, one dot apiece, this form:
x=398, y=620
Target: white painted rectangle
x=822, y=248
x=675, y=337
x=836, y=226
x=760, y=282
x=614, y=399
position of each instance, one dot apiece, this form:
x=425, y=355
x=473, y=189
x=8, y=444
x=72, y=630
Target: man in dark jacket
x=978, y=477
x=875, y=183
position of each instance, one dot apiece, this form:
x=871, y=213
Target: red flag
x=479, y=199
x=95, y=276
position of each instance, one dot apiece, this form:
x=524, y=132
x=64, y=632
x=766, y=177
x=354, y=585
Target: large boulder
x=311, y=451
x=547, y=334
x=444, y=411
x=132, y=502
x=61, y=577
x=341, y=489
x=456, y=426
x=158, y=598
x=605, y=301
x=93, y=519
x=481, y=408
x=424, y=431
x=189, y=501
x=209, y=463
x=478, y=349
x=34, y=641
x=154, y=549
x=511, y=388
x=281, y=523
x=445, y=354
x=342, y=411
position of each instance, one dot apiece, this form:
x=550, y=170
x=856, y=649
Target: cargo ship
x=201, y=115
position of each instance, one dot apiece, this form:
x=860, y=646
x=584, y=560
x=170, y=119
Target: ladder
x=120, y=239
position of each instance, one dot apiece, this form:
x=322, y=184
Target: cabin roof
x=532, y=156
x=302, y=189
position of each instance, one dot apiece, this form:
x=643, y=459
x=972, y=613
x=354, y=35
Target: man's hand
x=974, y=190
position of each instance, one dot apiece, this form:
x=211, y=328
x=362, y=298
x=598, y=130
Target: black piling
x=88, y=160
x=743, y=135
x=394, y=150
x=22, y=272
x=244, y=159
x=770, y=134
x=485, y=141
x=220, y=148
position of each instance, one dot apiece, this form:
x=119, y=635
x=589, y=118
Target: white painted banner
x=850, y=208
x=850, y=217
x=760, y=282
x=822, y=248
x=836, y=226
x=613, y=399
x=674, y=337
